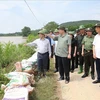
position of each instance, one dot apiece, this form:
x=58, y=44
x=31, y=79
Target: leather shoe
x=84, y=76
x=66, y=81
x=93, y=77
x=97, y=81
x=55, y=71
x=61, y=78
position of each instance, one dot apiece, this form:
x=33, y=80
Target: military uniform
x=79, y=39
x=88, y=55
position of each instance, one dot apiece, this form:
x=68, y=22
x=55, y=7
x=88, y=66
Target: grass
x=46, y=87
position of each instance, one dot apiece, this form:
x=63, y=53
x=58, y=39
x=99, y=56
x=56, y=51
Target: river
x=14, y=39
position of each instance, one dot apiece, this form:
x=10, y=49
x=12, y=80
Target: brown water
x=14, y=39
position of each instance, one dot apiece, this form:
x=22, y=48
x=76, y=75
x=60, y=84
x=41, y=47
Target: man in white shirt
x=43, y=48
x=96, y=51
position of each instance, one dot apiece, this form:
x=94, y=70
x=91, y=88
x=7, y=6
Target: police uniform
x=88, y=54
x=79, y=39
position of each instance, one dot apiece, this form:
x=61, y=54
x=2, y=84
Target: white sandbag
x=18, y=93
x=17, y=78
x=33, y=58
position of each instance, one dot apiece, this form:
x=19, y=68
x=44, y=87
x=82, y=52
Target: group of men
x=70, y=51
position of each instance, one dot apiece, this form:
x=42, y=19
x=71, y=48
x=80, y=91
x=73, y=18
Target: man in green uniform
x=63, y=51
x=87, y=52
x=79, y=39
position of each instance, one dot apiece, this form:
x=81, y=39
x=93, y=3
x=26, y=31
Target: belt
x=88, y=50
x=42, y=53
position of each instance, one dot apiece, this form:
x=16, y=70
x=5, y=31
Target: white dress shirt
x=43, y=46
x=96, y=43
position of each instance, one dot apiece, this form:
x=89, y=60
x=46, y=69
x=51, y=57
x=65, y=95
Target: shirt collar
x=63, y=35
x=90, y=36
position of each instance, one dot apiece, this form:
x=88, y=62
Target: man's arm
x=54, y=37
x=94, y=52
x=34, y=43
x=69, y=47
x=49, y=48
x=83, y=50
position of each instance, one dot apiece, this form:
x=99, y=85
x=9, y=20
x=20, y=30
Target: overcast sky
x=14, y=14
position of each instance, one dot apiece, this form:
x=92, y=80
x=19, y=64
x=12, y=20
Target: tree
x=26, y=31
x=51, y=26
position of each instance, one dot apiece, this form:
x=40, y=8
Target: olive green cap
x=43, y=31
x=77, y=30
x=89, y=30
x=97, y=25
x=56, y=31
x=81, y=27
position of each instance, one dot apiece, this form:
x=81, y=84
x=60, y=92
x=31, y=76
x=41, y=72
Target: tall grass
x=9, y=54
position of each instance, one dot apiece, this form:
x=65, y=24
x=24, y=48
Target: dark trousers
x=76, y=61
x=72, y=63
x=63, y=64
x=42, y=61
x=52, y=51
x=56, y=62
x=48, y=65
x=89, y=61
x=81, y=59
x=98, y=68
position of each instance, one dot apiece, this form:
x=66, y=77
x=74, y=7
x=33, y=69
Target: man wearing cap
x=63, y=51
x=96, y=51
x=73, y=51
x=43, y=46
x=77, y=56
x=52, y=44
x=87, y=52
x=79, y=47
x=56, y=33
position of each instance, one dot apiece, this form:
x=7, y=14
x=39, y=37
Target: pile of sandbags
x=21, y=80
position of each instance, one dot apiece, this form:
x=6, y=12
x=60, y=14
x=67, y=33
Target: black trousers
x=76, y=61
x=72, y=62
x=98, y=68
x=42, y=61
x=56, y=62
x=89, y=61
x=52, y=51
x=48, y=64
x=64, y=68
x=81, y=59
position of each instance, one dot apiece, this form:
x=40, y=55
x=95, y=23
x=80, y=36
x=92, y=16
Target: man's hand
x=82, y=53
x=77, y=53
x=94, y=56
x=69, y=56
x=74, y=54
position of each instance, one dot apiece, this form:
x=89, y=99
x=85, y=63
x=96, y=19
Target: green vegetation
x=75, y=24
x=51, y=26
x=26, y=31
x=9, y=54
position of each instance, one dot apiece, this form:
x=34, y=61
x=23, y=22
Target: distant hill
x=72, y=26
x=78, y=23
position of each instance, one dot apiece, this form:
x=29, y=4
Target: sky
x=14, y=14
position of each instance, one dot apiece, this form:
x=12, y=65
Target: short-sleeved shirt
x=79, y=39
x=96, y=43
x=62, y=45
x=88, y=42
